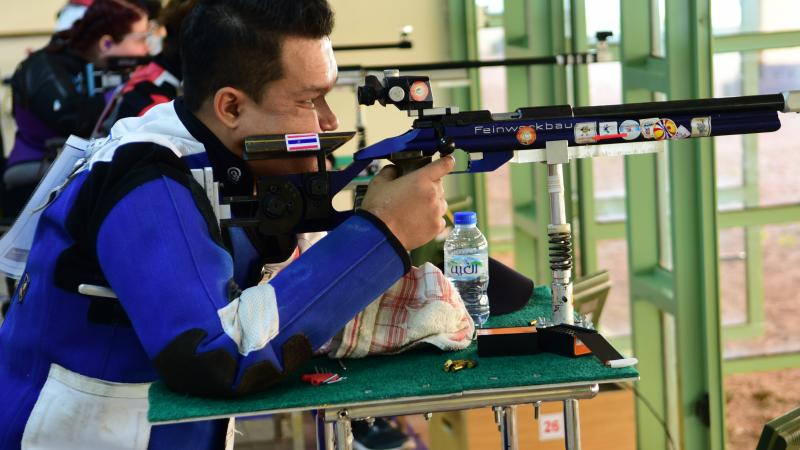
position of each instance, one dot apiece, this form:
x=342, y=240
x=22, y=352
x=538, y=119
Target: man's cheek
x=305, y=121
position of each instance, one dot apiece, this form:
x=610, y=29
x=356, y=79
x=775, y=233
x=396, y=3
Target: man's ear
x=227, y=104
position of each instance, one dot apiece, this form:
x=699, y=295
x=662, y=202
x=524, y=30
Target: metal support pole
x=508, y=428
x=298, y=435
x=498, y=417
x=467, y=400
x=559, y=234
x=344, y=432
x=572, y=427
x=324, y=432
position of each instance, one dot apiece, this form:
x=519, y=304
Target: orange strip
x=509, y=330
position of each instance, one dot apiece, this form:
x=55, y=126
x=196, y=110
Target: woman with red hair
x=75, y=9
x=53, y=89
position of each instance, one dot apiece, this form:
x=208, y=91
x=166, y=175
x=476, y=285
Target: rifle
x=550, y=134
x=116, y=72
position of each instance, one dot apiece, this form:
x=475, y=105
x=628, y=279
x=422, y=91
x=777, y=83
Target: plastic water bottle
x=466, y=264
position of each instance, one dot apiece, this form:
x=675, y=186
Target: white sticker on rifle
x=647, y=127
x=607, y=128
x=585, y=132
x=701, y=126
x=631, y=129
x=682, y=133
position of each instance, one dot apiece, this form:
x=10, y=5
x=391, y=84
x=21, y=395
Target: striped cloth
x=422, y=307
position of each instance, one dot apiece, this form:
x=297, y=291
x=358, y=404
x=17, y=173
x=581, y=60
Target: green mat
x=416, y=373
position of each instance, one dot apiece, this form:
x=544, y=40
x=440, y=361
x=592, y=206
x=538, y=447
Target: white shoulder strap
x=16, y=243
x=77, y=143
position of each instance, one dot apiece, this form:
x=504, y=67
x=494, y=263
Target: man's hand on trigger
x=412, y=206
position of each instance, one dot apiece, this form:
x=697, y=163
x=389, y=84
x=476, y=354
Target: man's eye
x=309, y=103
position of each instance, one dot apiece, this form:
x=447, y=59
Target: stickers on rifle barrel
x=701, y=126
x=664, y=129
x=526, y=135
x=419, y=91
x=647, y=127
x=607, y=128
x=585, y=132
x=682, y=133
x=631, y=129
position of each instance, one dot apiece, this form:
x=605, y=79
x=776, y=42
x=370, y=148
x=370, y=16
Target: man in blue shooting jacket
x=74, y=369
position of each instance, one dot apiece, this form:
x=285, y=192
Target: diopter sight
x=407, y=93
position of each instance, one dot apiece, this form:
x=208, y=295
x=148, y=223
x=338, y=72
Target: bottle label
x=465, y=267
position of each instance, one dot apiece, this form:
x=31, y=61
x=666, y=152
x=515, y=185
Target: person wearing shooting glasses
x=160, y=80
x=52, y=91
x=194, y=305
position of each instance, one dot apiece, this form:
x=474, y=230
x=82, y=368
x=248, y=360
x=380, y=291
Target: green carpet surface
x=415, y=373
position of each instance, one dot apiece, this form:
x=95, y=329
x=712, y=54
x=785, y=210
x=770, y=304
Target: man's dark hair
x=237, y=43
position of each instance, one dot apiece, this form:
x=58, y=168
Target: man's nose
x=327, y=118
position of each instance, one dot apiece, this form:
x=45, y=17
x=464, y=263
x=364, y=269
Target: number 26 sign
x=551, y=427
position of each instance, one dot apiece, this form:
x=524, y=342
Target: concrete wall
x=28, y=16
x=20, y=17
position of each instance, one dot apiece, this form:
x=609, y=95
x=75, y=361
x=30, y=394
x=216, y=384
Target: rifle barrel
x=770, y=102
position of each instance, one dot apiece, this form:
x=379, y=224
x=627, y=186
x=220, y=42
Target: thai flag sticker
x=305, y=142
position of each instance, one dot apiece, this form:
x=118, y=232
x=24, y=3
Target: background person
x=51, y=90
x=75, y=9
x=160, y=80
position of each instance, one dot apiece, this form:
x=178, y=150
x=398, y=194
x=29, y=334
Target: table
x=414, y=383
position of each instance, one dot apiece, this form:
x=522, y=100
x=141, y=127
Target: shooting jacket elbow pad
x=277, y=326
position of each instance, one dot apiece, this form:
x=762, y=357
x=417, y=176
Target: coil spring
x=560, y=250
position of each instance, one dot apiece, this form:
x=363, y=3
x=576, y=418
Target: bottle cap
x=465, y=218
